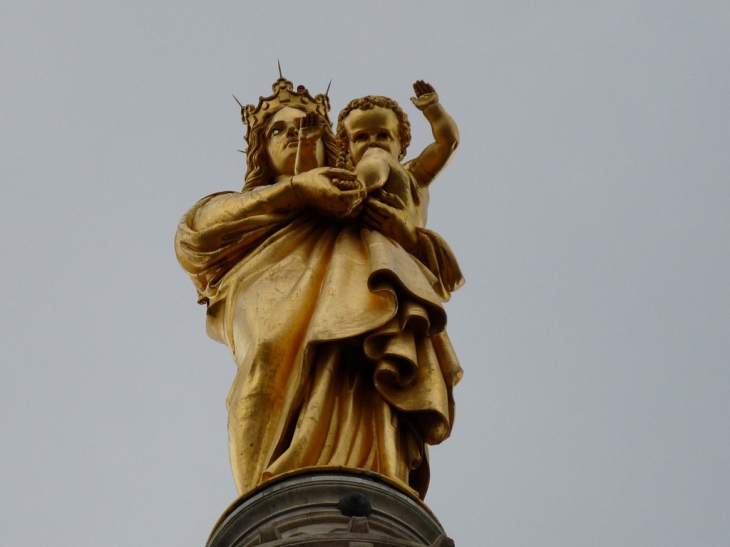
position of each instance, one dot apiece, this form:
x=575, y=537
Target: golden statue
x=324, y=283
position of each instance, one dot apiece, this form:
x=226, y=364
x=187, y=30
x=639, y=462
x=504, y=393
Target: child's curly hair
x=367, y=103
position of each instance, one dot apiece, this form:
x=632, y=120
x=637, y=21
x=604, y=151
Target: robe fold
x=339, y=337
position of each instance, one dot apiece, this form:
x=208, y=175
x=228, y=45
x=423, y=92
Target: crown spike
x=239, y=102
x=327, y=93
x=279, y=64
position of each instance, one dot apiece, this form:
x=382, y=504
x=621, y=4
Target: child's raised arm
x=436, y=155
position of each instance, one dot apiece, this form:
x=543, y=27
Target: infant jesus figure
x=373, y=134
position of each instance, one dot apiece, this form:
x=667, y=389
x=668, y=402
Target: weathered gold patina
x=328, y=290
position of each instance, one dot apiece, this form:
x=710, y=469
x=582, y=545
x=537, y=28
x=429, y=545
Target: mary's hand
x=391, y=216
x=316, y=189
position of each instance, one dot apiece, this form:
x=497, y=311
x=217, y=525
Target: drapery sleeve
x=221, y=229
x=433, y=251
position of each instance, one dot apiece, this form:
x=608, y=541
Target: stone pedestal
x=329, y=509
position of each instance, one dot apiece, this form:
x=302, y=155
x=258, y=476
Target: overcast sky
x=588, y=204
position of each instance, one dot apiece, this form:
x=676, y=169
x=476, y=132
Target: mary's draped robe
x=339, y=337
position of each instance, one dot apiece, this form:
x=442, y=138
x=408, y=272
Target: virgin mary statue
x=338, y=332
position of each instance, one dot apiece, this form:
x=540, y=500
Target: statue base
x=328, y=509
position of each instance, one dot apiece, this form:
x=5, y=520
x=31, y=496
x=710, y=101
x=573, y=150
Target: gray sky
x=588, y=205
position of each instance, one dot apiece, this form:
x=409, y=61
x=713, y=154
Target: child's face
x=374, y=128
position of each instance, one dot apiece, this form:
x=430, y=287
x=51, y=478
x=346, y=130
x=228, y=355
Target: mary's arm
x=311, y=190
x=222, y=228
x=227, y=207
x=220, y=218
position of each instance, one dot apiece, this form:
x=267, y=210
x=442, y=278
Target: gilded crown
x=284, y=95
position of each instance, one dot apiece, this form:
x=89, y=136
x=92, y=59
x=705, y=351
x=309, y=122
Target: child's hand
x=310, y=128
x=425, y=95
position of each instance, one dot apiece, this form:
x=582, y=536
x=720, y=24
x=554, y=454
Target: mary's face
x=282, y=141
